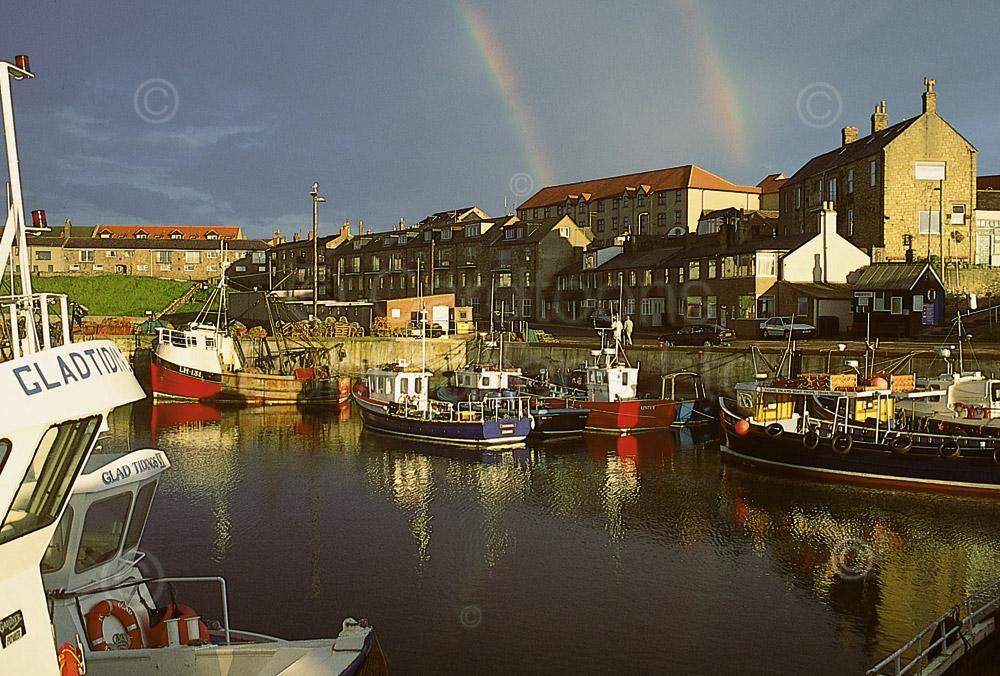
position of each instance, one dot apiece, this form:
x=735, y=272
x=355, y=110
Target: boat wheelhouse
x=393, y=399
x=612, y=397
x=97, y=591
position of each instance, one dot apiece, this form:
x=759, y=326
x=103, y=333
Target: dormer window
x=509, y=233
x=446, y=233
x=427, y=236
x=472, y=230
x=211, y=234
x=176, y=234
x=105, y=235
x=141, y=235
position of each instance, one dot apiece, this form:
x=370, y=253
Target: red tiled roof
x=771, y=183
x=164, y=231
x=674, y=178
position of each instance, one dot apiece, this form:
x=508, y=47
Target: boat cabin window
x=49, y=477
x=103, y=528
x=139, y=514
x=418, y=385
x=55, y=554
x=210, y=343
x=404, y=386
x=994, y=396
x=624, y=377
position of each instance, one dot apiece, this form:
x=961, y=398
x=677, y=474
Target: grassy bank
x=113, y=295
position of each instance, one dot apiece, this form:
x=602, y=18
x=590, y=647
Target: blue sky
x=394, y=110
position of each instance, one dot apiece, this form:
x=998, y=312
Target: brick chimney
x=880, y=118
x=67, y=228
x=309, y=235
x=296, y=237
x=930, y=96
x=848, y=135
x=345, y=230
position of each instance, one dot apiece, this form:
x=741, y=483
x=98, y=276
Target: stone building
x=889, y=187
x=291, y=261
x=662, y=202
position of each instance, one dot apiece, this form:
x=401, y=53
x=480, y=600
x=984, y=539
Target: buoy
x=880, y=382
x=70, y=661
x=742, y=427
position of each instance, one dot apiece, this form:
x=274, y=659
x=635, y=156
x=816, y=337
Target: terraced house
x=890, y=188
x=662, y=202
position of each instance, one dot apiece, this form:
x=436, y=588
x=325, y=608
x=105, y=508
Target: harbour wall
x=719, y=367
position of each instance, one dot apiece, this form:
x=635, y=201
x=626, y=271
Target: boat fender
x=842, y=443
x=71, y=661
x=531, y=420
x=121, y=612
x=901, y=445
x=774, y=430
x=810, y=440
x=976, y=411
x=949, y=449
x=742, y=426
x=158, y=635
x=960, y=408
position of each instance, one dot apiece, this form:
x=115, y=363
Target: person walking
x=628, y=329
x=616, y=327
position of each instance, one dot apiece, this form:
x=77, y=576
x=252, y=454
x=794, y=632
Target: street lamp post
x=316, y=199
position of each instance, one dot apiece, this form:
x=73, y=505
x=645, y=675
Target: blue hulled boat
x=393, y=399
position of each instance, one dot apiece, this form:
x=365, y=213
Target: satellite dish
x=677, y=231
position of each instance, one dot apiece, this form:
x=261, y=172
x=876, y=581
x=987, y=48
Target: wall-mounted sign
x=930, y=171
x=11, y=628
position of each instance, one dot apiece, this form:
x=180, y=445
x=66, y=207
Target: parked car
x=698, y=334
x=432, y=331
x=601, y=317
x=781, y=327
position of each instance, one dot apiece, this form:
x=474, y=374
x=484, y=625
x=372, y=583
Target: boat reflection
x=888, y=562
x=650, y=447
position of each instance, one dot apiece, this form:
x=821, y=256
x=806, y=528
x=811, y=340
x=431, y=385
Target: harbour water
x=642, y=554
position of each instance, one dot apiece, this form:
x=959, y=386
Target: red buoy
x=742, y=426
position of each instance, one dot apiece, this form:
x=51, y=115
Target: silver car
x=781, y=327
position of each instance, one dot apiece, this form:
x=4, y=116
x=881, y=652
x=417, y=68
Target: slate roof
x=821, y=290
x=892, y=276
x=712, y=247
x=673, y=178
x=163, y=244
x=852, y=152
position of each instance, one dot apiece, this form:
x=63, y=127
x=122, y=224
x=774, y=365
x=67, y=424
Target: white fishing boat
x=56, y=397
x=98, y=591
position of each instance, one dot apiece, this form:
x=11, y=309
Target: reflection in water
x=598, y=553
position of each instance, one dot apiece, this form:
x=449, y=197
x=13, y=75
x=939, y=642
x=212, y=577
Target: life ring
x=842, y=443
x=810, y=440
x=931, y=295
x=177, y=611
x=774, y=430
x=949, y=449
x=121, y=612
x=901, y=445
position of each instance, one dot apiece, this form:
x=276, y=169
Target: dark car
x=601, y=317
x=698, y=334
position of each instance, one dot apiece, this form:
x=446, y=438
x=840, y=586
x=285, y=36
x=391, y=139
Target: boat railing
x=940, y=644
x=179, y=338
x=33, y=322
x=221, y=581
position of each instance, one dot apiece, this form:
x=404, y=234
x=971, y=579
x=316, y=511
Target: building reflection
x=923, y=552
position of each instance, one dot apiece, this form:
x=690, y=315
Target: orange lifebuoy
x=121, y=612
x=70, y=661
x=177, y=611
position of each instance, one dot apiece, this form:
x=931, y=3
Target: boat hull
x=635, y=415
x=258, y=389
x=170, y=380
x=557, y=422
x=493, y=433
x=866, y=462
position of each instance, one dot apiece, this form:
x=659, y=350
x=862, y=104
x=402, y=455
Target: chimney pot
x=848, y=135
x=880, y=118
x=930, y=96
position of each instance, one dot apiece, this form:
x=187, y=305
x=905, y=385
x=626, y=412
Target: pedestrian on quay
x=616, y=327
x=628, y=329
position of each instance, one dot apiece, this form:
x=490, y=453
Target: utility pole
x=316, y=199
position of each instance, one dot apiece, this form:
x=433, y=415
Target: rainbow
x=506, y=83
x=720, y=88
